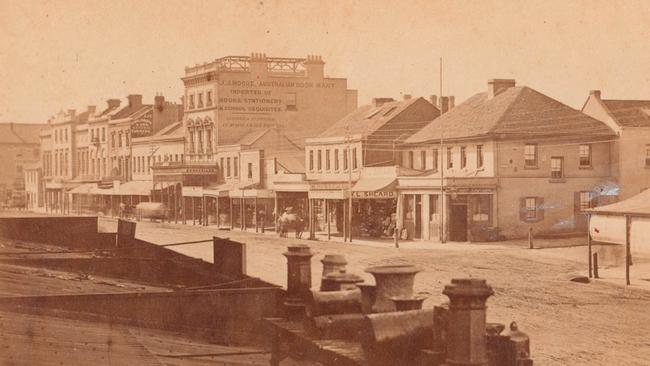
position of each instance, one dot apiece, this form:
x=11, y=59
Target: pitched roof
x=20, y=133
x=253, y=136
x=129, y=110
x=291, y=164
x=368, y=118
x=172, y=129
x=516, y=111
x=629, y=113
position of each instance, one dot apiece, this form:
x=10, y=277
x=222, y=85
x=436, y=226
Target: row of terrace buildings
x=257, y=135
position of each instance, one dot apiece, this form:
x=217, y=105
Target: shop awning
x=192, y=191
x=375, y=188
x=86, y=188
x=135, y=188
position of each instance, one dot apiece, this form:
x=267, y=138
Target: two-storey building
x=358, y=154
x=510, y=158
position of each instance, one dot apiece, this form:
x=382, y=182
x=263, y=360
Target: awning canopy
x=638, y=205
x=375, y=188
x=86, y=188
x=135, y=188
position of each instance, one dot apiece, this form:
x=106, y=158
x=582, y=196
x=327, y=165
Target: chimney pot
x=135, y=100
x=159, y=101
x=595, y=93
x=378, y=102
x=444, y=105
x=497, y=86
x=113, y=103
x=434, y=100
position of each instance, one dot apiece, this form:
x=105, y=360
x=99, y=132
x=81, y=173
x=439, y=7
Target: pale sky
x=69, y=54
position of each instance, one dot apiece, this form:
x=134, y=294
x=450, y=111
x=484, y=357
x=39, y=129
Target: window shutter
x=539, y=201
x=522, y=209
x=576, y=202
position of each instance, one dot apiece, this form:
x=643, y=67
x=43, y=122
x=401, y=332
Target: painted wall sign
x=141, y=128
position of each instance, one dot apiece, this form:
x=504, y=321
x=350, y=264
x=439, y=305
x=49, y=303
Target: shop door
x=458, y=223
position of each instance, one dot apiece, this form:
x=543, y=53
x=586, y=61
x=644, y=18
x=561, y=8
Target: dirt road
x=596, y=324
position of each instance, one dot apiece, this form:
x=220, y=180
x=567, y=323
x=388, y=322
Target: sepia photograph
x=324, y=183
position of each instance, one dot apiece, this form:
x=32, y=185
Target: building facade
x=233, y=96
x=630, y=158
x=510, y=158
x=91, y=149
x=19, y=147
x=358, y=157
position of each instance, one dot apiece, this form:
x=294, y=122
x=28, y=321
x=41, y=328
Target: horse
x=290, y=221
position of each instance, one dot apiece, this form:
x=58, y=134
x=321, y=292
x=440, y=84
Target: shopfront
x=374, y=207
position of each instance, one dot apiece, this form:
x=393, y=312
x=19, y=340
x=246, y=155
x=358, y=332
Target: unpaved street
x=569, y=323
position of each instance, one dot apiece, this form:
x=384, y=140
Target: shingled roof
x=367, y=119
x=515, y=112
x=629, y=113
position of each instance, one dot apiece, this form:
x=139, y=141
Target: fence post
x=628, y=255
x=595, y=264
x=530, y=237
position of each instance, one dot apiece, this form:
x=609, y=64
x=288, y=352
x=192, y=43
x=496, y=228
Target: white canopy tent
x=608, y=223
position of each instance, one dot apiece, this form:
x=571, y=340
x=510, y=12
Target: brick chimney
x=71, y=113
x=444, y=105
x=407, y=96
x=378, y=102
x=595, y=93
x=91, y=110
x=434, y=99
x=452, y=102
x=497, y=86
x=113, y=103
x=315, y=67
x=159, y=102
x=135, y=100
x=258, y=65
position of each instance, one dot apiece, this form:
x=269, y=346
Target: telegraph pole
x=442, y=169
x=349, y=141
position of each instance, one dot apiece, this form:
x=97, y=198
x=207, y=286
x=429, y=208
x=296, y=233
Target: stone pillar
x=298, y=279
x=466, y=332
x=332, y=263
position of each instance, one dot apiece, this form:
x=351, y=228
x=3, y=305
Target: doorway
x=458, y=223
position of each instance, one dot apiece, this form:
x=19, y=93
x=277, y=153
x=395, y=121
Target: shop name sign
x=373, y=194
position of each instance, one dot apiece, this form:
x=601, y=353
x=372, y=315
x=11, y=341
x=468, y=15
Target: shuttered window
x=531, y=209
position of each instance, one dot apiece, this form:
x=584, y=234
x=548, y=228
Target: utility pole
x=442, y=169
x=349, y=142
